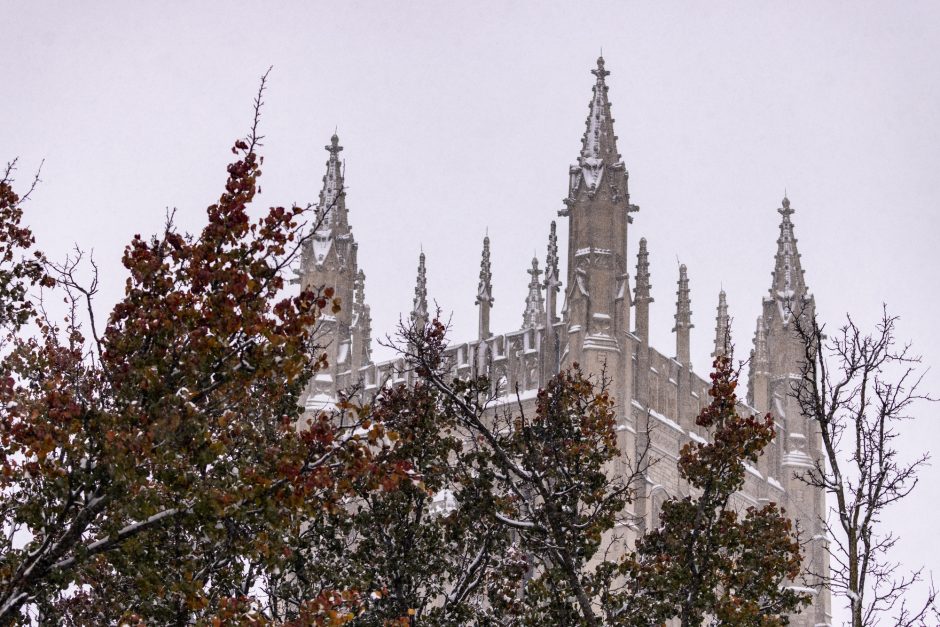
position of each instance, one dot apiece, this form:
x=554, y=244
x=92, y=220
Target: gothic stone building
x=603, y=324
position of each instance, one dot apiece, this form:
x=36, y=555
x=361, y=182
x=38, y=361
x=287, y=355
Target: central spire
x=599, y=141
x=789, y=286
x=331, y=209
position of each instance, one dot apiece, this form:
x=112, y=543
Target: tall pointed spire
x=534, y=304
x=552, y=282
x=789, y=287
x=641, y=293
x=419, y=310
x=485, y=291
x=599, y=160
x=331, y=209
x=599, y=141
x=683, y=318
x=722, y=328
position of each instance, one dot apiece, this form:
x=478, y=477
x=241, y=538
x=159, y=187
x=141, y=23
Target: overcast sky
x=458, y=117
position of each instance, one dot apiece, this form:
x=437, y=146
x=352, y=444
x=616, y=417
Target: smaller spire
x=485, y=291
x=722, y=328
x=362, y=319
x=419, y=311
x=684, y=301
x=534, y=304
x=683, y=318
x=641, y=293
x=760, y=359
x=359, y=289
x=485, y=286
x=551, y=283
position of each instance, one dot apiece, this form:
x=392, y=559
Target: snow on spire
x=789, y=287
x=419, y=310
x=552, y=282
x=534, y=304
x=331, y=207
x=641, y=291
x=485, y=291
x=599, y=141
x=599, y=160
x=722, y=328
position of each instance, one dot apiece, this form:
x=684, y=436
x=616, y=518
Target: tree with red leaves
x=149, y=467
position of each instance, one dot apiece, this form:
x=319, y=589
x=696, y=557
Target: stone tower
x=597, y=299
x=775, y=371
x=328, y=260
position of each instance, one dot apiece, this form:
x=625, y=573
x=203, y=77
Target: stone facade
x=661, y=394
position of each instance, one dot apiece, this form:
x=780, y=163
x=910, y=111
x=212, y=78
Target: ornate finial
x=722, y=328
x=334, y=148
x=485, y=287
x=534, y=304
x=600, y=72
x=419, y=310
x=641, y=292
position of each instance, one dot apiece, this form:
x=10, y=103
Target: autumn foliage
x=151, y=466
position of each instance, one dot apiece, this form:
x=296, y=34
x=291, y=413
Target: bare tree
x=858, y=388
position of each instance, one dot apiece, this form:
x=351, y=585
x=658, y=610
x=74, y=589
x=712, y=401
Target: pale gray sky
x=461, y=116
